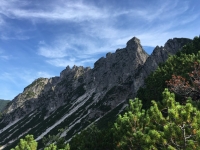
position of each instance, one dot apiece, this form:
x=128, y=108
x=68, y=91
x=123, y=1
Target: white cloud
x=148, y=24
x=98, y=27
x=99, y=22
x=29, y=76
x=62, y=62
x=71, y=62
x=50, y=52
x=78, y=51
x=44, y=74
x=59, y=10
x=80, y=11
x=189, y=19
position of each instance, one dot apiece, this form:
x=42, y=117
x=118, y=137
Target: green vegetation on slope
x=125, y=133
x=166, y=126
x=28, y=143
x=179, y=64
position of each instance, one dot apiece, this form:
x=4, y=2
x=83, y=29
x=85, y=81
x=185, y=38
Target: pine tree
x=182, y=128
x=167, y=125
x=30, y=144
x=51, y=147
x=131, y=129
x=26, y=144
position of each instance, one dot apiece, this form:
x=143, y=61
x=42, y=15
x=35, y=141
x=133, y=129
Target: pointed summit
x=136, y=51
x=133, y=43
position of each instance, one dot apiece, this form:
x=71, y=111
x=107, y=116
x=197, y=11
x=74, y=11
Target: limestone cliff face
x=82, y=95
x=118, y=66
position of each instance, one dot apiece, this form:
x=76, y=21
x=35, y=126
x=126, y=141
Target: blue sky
x=39, y=38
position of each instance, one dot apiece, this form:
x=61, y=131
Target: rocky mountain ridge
x=82, y=95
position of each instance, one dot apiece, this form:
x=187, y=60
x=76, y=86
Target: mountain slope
x=179, y=64
x=82, y=95
x=127, y=132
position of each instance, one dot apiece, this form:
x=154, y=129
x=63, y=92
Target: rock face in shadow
x=81, y=95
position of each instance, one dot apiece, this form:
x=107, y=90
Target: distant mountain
x=3, y=103
x=81, y=96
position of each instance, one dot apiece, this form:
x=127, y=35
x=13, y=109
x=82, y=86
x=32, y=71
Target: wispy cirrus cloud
x=57, y=50
x=76, y=51
x=99, y=25
x=43, y=74
x=51, y=12
x=163, y=10
x=104, y=35
x=59, y=10
x=71, y=62
x=96, y=21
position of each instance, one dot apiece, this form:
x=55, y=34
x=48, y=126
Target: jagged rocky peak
x=173, y=44
x=118, y=66
x=133, y=43
x=133, y=52
x=159, y=55
x=136, y=51
x=75, y=70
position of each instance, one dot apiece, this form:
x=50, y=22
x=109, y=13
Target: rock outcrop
x=159, y=55
x=81, y=95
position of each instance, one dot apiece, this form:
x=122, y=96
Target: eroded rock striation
x=82, y=95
